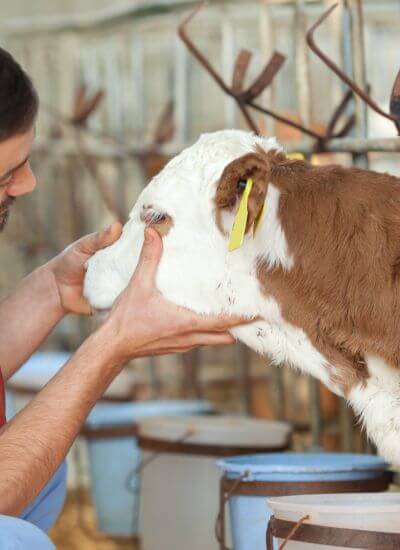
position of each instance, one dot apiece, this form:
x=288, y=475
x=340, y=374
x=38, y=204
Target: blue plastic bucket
x=281, y=474
x=31, y=378
x=114, y=456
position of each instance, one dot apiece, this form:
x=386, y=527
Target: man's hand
x=142, y=322
x=41, y=300
x=68, y=268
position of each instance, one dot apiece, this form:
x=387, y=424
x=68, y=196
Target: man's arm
x=35, y=442
x=42, y=299
x=27, y=317
x=142, y=322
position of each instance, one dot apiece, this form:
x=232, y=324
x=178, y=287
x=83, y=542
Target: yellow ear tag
x=239, y=224
x=300, y=156
x=295, y=156
x=259, y=219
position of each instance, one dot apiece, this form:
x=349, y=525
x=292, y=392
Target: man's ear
x=233, y=181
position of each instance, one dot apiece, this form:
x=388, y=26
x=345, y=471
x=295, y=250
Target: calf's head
x=192, y=203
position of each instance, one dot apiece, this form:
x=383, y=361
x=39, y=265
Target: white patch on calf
x=271, y=236
x=284, y=343
x=377, y=402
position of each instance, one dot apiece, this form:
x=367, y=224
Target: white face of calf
x=196, y=269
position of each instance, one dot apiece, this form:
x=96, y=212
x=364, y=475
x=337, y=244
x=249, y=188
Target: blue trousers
x=29, y=531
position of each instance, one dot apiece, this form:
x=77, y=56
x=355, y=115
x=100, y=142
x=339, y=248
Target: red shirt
x=2, y=401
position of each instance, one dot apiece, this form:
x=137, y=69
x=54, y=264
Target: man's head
x=18, y=109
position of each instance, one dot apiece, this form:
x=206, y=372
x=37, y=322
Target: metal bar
x=346, y=426
x=267, y=39
x=88, y=21
x=302, y=65
x=181, y=86
x=242, y=363
x=304, y=108
x=191, y=386
x=137, y=72
x=354, y=65
x=395, y=98
x=107, y=17
x=315, y=413
x=359, y=69
x=278, y=392
x=265, y=78
x=155, y=382
x=227, y=56
x=352, y=145
x=359, y=75
x=67, y=148
x=99, y=181
x=240, y=69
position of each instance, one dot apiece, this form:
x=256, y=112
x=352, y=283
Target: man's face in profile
x=16, y=176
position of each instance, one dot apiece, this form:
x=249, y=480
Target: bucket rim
x=298, y=503
x=139, y=410
x=272, y=463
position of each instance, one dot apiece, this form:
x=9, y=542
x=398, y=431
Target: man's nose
x=25, y=182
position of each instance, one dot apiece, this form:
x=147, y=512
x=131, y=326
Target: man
x=34, y=443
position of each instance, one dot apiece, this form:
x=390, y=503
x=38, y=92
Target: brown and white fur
x=323, y=271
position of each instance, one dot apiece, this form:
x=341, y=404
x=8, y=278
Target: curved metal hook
x=343, y=77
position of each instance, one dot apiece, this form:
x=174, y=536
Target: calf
x=322, y=270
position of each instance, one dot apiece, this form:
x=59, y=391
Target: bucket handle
x=134, y=474
x=224, y=497
x=270, y=541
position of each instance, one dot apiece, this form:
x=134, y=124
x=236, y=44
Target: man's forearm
x=35, y=442
x=27, y=316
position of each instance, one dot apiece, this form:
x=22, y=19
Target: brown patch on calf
x=342, y=226
x=163, y=228
x=252, y=165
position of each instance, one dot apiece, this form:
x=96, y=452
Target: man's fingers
x=83, y=308
x=213, y=339
x=150, y=256
x=181, y=344
x=101, y=239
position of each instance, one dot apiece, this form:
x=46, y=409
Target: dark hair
x=19, y=102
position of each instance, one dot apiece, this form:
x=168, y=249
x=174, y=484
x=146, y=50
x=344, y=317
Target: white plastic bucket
x=180, y=487
x=365, y=512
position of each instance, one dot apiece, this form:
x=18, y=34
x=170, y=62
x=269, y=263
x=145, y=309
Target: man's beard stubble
x=5, y=210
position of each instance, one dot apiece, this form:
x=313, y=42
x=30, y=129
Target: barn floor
x=70, y=533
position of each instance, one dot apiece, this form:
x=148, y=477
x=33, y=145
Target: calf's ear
x=233, y=181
